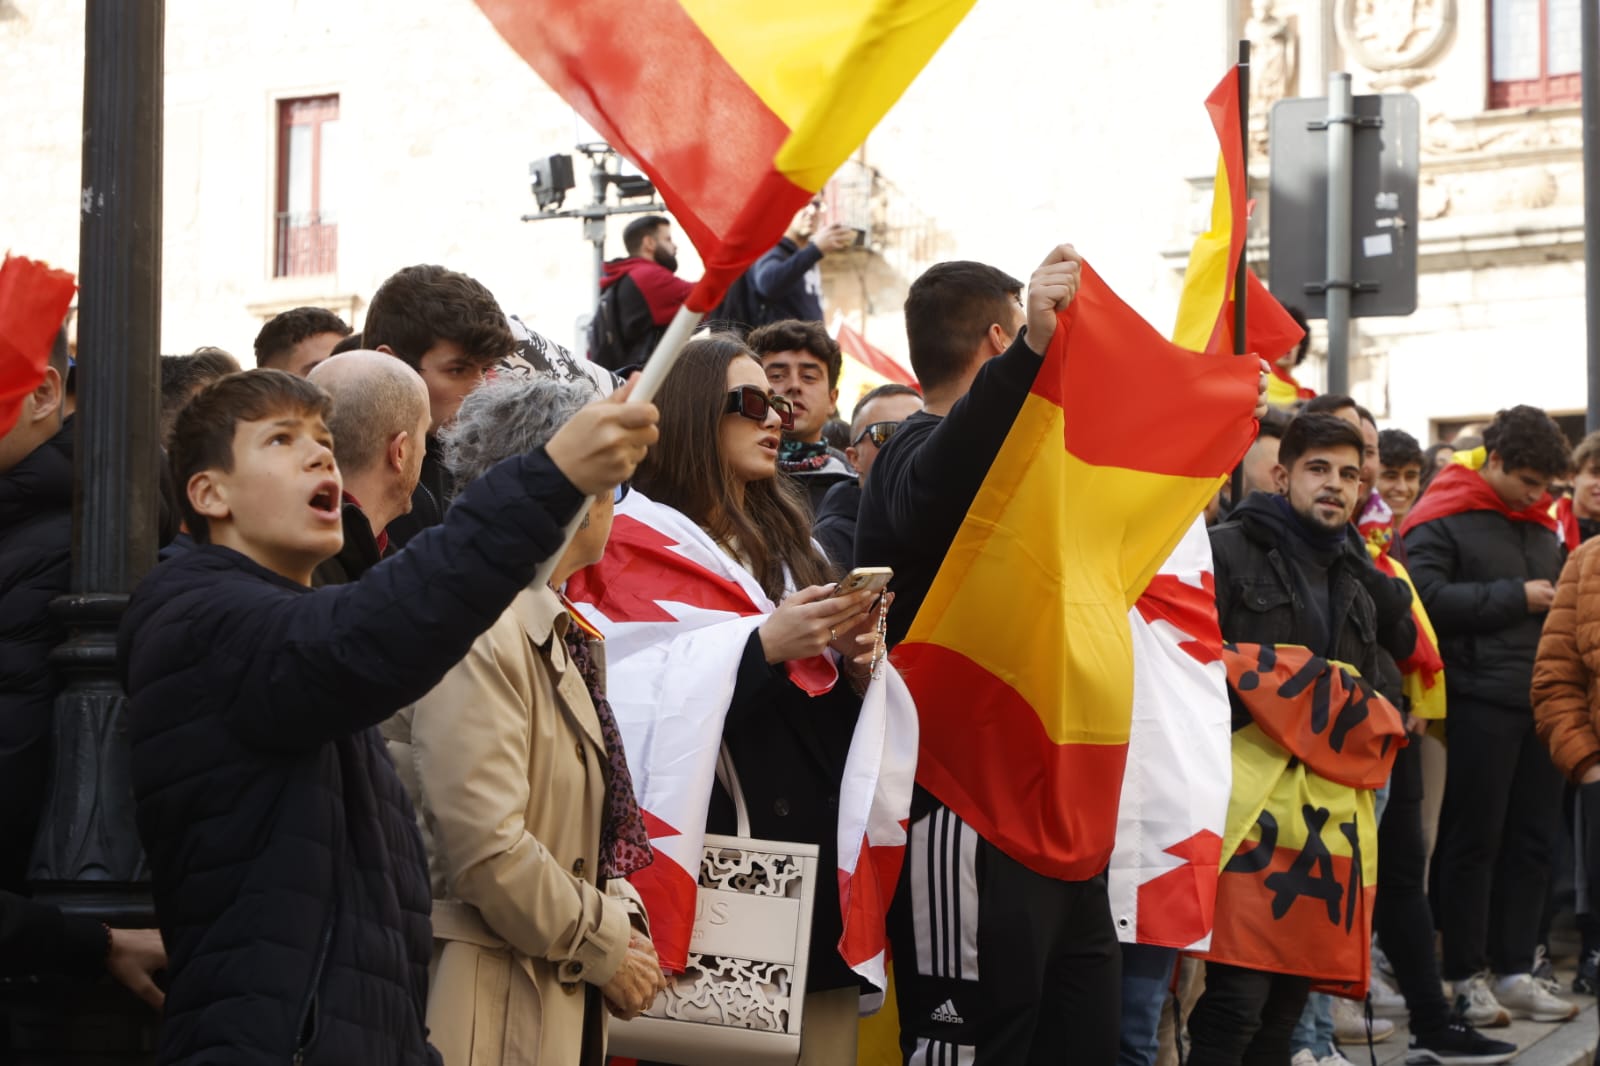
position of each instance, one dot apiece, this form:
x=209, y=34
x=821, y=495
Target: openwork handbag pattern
x=721, y=990
x=741, y=997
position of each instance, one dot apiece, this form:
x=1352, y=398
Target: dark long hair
x=688, y=471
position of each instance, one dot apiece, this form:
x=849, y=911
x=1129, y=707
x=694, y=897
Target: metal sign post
x=1337, y=280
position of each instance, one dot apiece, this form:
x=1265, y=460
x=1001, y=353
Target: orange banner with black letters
x=1300, y=856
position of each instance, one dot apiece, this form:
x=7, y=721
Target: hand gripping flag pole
x=649, y=382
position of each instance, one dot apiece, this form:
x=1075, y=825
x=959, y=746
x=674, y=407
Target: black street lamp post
x=87, y=858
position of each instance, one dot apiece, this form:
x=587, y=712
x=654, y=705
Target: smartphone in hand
x=864, y=579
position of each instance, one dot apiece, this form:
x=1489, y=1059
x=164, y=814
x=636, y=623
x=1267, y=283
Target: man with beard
x=1287, y=573
x=639, y=295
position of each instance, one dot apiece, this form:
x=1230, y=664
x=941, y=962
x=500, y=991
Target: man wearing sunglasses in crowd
x=802, y=364
x=876, y=417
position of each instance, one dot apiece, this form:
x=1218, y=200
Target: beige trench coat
x=504, y=761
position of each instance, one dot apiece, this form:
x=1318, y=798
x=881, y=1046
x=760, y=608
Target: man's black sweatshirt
x=929, y=473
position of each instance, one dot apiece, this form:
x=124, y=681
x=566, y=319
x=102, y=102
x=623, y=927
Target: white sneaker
x=1526, y=995
x=1304, y=1057
x=1386, y=998
x=1335, y=1059
x=1477, y=1006
x=1350, y=1024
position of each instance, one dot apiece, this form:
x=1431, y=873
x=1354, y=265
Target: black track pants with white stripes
x=995, y=965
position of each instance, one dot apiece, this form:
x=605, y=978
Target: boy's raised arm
x=343, y=658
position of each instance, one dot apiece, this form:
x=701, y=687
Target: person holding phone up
x=717, y=465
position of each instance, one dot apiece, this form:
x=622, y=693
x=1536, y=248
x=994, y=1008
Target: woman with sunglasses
x=716, y=464
x=516, y=768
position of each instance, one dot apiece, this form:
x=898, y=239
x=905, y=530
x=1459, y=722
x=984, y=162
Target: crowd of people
x=386, y=803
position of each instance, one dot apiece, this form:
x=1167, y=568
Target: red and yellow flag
x=1020, y=659
x=1205, y=307
x=738, y=110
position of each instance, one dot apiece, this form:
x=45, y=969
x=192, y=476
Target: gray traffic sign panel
x=1384, y=213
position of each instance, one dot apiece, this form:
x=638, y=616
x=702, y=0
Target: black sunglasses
x=752, y=403
x=880, y=432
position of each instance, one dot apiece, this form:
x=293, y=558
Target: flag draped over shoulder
x=1567, y=521
x=1459, y=488
x=1422, y=671
x=1301, y=851
x=676, y=613
x=34, y=299
x=1020, y=659
x=738, y=110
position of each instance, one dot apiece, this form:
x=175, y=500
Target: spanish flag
x=1020, y=659
x=34, y=298
x=1283, y=390
x=738, y=110
x=1205, y=308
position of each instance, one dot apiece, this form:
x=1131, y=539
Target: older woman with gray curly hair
x=516, y=768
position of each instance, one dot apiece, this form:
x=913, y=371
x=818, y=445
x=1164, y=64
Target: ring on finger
x=831, y=634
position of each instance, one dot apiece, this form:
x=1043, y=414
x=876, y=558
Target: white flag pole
x=655, y=372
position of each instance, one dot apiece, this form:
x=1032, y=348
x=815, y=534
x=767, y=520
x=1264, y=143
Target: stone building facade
x=313, y=148
x=1500, y=315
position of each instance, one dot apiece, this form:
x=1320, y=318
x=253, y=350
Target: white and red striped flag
x=1163, y=875
x=677, y=613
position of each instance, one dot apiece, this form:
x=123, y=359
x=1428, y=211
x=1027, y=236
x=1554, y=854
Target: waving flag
x=738, y=110
x=1271, y=330
x=1020, y=658
x=1301, y=873
x=1285, y=390
x=677, y=613
x=33, y=302
x=876, y=361
x=1163, y=874
x=1205, y=307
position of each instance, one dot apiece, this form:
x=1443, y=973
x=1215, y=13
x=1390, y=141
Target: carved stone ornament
x=1395, y=34
x=1274, y=64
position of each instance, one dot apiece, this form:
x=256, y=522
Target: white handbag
x=741, y=997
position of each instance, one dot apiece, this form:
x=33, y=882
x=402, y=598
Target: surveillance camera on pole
x=551, y=178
